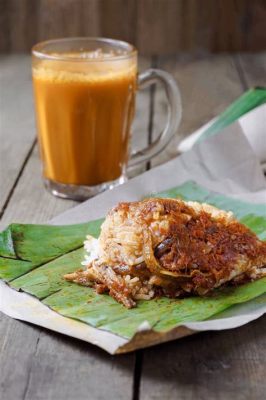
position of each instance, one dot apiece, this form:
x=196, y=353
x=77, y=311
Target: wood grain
x=37, y=364
x=66, y=369
x=66, y=18
x=255, y=25
x=118, y=19
x=18, y=342
x=156, y=26
x=159, y=26
x=17, y=131
x=4, y=23
x=208, y=84
x=30, y=202
x=229, y=27
x=213, y=366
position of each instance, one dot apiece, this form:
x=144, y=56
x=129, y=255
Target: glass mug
x=84, y=92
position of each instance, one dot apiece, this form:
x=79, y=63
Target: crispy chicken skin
x=169, y=247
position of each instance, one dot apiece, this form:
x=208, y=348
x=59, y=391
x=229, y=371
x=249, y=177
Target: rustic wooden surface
x=37, y=364
x=173, y=25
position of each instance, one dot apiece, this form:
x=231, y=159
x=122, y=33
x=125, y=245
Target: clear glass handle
x=147, y=78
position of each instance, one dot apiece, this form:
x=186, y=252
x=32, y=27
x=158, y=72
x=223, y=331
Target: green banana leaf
x=24, y=247
x=34, y=258
x=245, y=103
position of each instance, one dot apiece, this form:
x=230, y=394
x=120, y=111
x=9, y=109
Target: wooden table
x=37, y=364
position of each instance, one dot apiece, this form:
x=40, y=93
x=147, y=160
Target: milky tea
x=84, y=112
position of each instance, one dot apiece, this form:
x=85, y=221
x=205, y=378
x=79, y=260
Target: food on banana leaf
x=169, y=247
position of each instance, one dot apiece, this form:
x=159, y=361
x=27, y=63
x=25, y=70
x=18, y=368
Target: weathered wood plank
x=228, y=30
x=118, y=19
x=21, y=24
x=66, y=18
x=4, y=23
x=65, y=369
x=155, y=26
x=214, y=366
x=37, y=364
x=207, y=84
x=30, y=202
x=156, y=31
x=255, y=26
x=17, y=130
x=18, y=343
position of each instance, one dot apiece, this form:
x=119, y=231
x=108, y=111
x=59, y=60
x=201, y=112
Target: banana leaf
x=24, y=247
x=34, y=258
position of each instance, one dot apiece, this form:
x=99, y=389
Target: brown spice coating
x=180, y=249
x=198, y=246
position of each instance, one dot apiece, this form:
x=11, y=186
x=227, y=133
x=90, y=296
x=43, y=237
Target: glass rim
x=38, y=49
